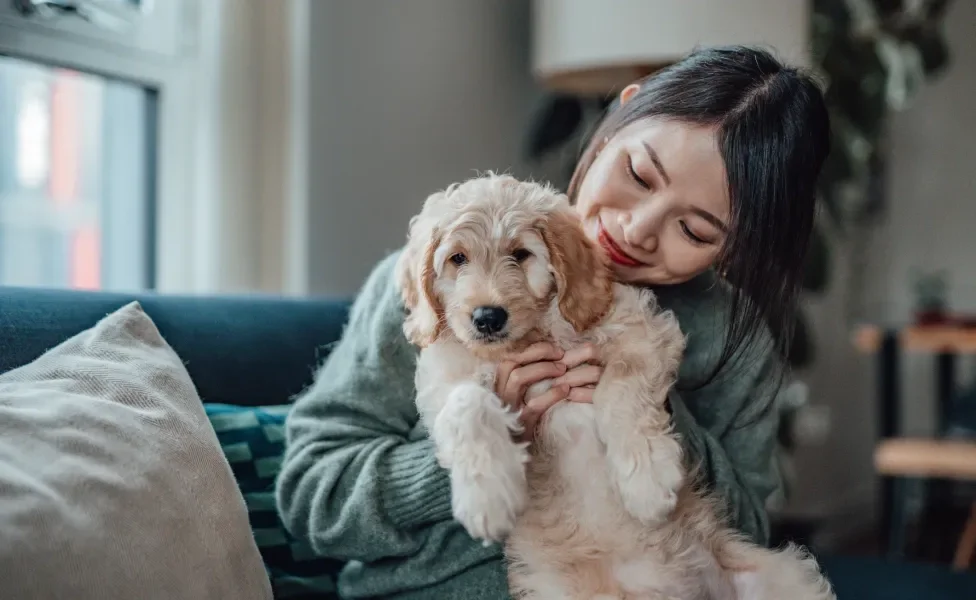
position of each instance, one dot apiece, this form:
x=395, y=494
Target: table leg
x=937, y=492
x=889, y=417
x=945, y=390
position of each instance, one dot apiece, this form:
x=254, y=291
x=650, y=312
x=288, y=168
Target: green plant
x=872, y=57
x=931, y=289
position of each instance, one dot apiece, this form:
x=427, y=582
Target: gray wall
x=406, y=97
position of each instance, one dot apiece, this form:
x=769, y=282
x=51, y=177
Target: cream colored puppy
x=599, y=506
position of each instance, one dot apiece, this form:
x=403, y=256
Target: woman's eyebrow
x=701, y=212
x=657, y=163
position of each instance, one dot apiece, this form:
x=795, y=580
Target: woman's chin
x=647, y=275
x=640, y=275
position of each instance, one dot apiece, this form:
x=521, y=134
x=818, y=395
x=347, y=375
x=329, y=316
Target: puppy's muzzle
x=489, y=320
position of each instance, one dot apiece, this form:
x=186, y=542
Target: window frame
x=233, y=155
x=167, y=70
x=155, y=30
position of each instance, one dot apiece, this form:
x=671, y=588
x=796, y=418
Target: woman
x=699, y=183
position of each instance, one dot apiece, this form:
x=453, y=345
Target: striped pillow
x=253, y=440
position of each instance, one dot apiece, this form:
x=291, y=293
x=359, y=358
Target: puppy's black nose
x=489, y=319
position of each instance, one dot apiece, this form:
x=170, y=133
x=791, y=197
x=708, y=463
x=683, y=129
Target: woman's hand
x=520, y=371
x=574, y=373
x=583, y=372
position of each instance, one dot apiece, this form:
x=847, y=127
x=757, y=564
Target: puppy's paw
x=489, y=491
x=649, y=483
x=647, y=500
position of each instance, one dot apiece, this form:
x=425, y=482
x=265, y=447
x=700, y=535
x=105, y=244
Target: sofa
x=247, y=357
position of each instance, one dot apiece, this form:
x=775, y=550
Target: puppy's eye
x=521, y=255
x=459, y=259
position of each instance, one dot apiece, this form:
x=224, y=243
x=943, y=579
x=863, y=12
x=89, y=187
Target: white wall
x=405, y=97
x=930, y=224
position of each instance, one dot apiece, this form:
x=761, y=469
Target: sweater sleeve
x=736, y=460
x=359, y=478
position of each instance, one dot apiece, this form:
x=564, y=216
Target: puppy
x=600, y=506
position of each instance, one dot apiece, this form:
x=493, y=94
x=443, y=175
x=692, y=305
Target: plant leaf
x=931, y=47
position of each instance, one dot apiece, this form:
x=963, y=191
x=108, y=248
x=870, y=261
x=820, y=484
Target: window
x=95, y=143
x=76, y=179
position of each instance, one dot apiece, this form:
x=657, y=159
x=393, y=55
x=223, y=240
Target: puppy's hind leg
x=473, y=435
x=770, y=574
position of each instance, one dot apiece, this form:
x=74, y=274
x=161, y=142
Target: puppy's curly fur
x=601, y=506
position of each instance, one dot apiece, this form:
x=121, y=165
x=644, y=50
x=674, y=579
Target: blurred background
x=280, y=146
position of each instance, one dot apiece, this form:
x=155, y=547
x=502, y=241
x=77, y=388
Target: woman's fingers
x=580, y=376
x=538, y=405
x=502, y=376
x=512, y=392
x=537, y=352
x=583, y=395
x=578, y=370
x=582, y=354
x=523, y=377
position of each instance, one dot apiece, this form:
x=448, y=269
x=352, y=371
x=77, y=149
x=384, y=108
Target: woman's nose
x=641, y=228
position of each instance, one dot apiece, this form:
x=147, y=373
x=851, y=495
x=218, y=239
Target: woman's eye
x=633, y=175
x=691, y=236
x=459, y=259
x=521, y=255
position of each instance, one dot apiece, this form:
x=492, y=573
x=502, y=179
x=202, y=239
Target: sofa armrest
x=246, y=350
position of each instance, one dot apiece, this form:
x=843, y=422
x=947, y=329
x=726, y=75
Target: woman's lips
x=613, y=250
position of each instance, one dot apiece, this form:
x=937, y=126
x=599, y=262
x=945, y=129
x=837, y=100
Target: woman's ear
x=628, y=93
x=583, y=277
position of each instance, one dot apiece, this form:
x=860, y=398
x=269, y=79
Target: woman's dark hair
x=773, y=135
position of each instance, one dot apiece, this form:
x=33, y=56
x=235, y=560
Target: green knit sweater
x=361, y=483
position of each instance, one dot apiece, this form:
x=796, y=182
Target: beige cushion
x=112, y=482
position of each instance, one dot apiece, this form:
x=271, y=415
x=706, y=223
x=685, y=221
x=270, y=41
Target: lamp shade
x=599, y=46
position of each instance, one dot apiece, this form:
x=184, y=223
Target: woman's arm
x=359, y=479
x=734, y=453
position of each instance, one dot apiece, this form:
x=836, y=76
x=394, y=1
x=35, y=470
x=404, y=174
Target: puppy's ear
x=582, y=272
x=415, y=274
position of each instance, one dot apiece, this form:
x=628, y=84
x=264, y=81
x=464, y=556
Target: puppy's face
x=493, y=278
x=486, y=258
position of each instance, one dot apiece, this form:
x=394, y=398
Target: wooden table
x=915, y=338
x=945, y=343
x=934, y=459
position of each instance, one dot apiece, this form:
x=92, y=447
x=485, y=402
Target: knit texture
x=360, y=481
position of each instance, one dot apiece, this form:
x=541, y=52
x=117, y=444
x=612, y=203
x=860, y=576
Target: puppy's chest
x=485, y=373
x=568, y=468
x=563, y=335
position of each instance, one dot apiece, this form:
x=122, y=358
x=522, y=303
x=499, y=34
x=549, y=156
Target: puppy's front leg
x=473, y=434
x=643, y=456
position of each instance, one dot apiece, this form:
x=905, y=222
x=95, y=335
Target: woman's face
x=656, y=199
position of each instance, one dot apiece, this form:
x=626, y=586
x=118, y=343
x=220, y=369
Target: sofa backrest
x=243, y=350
